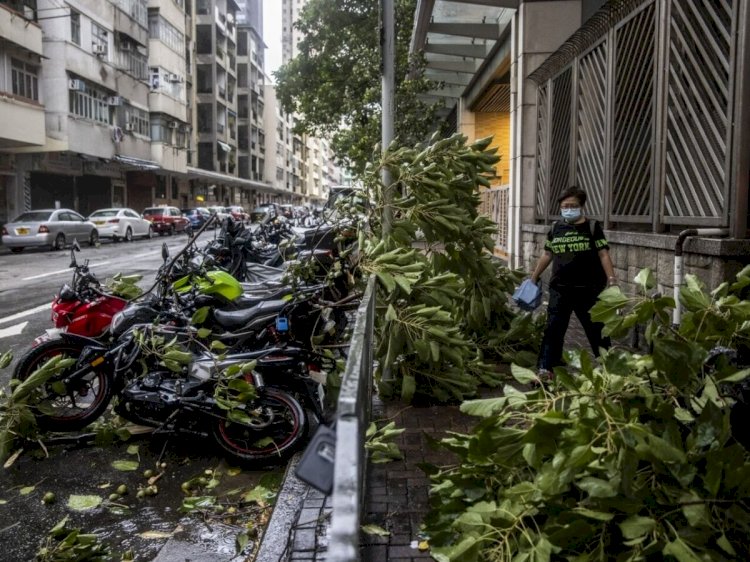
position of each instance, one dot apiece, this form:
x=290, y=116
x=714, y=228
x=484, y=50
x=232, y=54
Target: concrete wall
x=20, y=31
x=712, y=260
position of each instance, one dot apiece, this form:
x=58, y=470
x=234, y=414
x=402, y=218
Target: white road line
x=59, y=271
x=13, y=330
x=25, y=313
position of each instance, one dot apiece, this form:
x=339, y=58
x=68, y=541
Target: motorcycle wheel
x=280, y=418
x=78, y=407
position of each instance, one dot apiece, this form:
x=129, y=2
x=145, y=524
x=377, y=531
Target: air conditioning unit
x=174, y=78
x=114, y=100
x=98, y=49
x=78, y=85
x=173, y=124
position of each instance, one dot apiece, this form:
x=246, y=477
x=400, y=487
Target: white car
x=121, y=224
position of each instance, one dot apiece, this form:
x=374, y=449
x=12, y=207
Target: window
x=138, y=120
x=24, y=78
x=75, y=27
x=160, y=130
x=161, y=29
x=99, y=39
x=91, y=103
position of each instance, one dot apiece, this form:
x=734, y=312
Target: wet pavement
x=152, y=527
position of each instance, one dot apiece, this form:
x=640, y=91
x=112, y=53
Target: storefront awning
x=224, y=146
x=460, y=40
x=206, y=175
x=139, y=163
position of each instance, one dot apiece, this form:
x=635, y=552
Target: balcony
x=23, y=122
x=131, y=18
x=132, y=61
x=22, y=32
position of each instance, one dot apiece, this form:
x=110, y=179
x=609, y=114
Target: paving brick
x=395, y=552
x=374, y=553
x=304, y=540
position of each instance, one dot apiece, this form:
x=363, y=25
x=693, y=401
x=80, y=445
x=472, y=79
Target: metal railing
x=352, y=418
x=494, y=204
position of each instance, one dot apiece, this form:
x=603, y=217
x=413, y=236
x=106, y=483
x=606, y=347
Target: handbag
x=528, y=296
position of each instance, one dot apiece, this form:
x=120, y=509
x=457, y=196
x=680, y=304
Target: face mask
x=571, y=215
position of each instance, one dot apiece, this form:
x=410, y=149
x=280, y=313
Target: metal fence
x=352, y=418
x=494, y=204
x=637, y=108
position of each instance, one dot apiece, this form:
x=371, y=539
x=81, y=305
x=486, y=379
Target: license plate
x=98, y=223
x=22, y=231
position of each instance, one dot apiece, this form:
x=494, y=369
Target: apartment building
x=128, y=102
x=21, y=99
x=317, y=170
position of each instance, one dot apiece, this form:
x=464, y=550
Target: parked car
x=197, y=216
x=120, y=223
x=264, y=213
x=48, y=227
x=238, y=213
x=219, y=211
x=166, y=220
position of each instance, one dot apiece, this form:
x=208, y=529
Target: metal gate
x=637, y=109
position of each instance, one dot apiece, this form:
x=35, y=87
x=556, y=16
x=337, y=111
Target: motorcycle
x=82, y=307
x=268, y=420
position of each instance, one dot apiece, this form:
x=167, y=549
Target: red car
x=167, y=220
x=238, y=213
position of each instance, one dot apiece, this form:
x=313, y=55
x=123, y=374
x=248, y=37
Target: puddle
x=143, y=526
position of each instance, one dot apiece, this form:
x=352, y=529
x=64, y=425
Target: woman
x=581, y=269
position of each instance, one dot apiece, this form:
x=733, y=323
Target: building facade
x=129, y=102
x=640, y=102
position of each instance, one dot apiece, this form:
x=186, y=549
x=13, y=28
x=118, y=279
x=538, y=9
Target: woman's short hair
x=573, y=191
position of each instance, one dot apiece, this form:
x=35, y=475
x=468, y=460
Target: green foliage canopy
x=334, y=83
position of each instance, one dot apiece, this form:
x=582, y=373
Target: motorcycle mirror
x=164, y=252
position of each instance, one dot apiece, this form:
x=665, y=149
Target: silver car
x=48, y=227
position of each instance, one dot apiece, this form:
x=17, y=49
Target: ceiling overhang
x=464, y=43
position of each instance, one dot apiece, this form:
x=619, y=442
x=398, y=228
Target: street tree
x=333, y=84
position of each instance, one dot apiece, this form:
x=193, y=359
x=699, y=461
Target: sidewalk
x=396, y=493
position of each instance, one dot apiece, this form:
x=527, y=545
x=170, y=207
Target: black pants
x=562, y=302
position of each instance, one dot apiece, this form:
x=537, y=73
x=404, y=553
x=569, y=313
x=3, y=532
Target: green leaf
x=645, y=279
x=465, y=551
x=390, y=313
x=133, y=449
x=199, y=316
x=596, y=487
x=216, y=345
x=375, y=530
x=681, y=551
x=387, y=281
x=597, y=515
x=739, y=376
x=408, y=387
x=83, y=503
x=636, y=526
x=610, y=301
x=204, y=333
x=26, y=490
x=522, y=375
x=125, y=466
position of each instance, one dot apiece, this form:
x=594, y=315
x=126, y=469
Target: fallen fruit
x=122, y=489
x=148, y=473
x=49, y=497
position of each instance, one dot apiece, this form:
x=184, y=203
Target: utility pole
x=387, y=48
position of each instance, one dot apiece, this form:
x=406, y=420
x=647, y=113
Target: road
x=152, y=527
x=29, y=281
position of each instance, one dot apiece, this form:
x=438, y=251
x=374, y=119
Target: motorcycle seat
x=249, y=317
x=249, y=300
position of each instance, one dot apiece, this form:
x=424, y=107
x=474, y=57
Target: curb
x=298, y=529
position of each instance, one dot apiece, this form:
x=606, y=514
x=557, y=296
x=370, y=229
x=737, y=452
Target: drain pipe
x=678, y=268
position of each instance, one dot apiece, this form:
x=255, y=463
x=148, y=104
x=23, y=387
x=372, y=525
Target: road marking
x=59, y=271
x=23, y=313
x=13, y=330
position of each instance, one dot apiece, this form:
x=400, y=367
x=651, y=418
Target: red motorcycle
x=82, y=307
